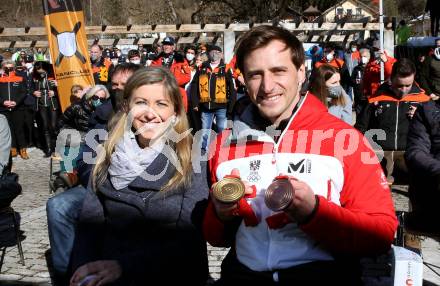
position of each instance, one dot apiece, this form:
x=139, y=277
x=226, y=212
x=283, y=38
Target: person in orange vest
x=101, y=68
x=372, y=70
x=329, y=58
x=391, y=110
x=213, y=94
x=177, y=64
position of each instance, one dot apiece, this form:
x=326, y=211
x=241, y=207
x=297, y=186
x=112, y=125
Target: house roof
x=312, y=10
x=292, y=11
x=371, y=9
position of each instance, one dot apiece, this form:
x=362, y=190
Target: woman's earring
x=174, y=120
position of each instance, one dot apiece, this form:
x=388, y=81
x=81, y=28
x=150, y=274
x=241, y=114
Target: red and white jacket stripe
x=355, y=214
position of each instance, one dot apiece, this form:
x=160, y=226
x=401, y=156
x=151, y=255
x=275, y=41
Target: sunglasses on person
x=95, y=97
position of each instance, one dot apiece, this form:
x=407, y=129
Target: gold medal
x=229, y=189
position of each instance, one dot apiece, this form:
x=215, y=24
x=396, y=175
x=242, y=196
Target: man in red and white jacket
x=341, y=206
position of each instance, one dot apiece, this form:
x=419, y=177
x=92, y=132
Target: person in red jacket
x=329, y=58
x=340, y=203
x=371, y=79
x=177, y=64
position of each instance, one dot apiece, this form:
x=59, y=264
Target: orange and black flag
x=67, y=38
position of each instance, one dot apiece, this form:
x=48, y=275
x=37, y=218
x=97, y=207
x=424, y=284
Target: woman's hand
x=51, y=93
x=37, y=93
x=104, y=272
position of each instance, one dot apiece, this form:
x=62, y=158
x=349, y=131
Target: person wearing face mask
x=100, y=67
x=114, y=58
x=360, y=100
x=391, y=110
x=134, y=57
x=47, y=104
x=77, y=116
x=176, y=63
x=30, y=102
x=352, y=57
x=12, y=96
x=327, y=87
x=193, y=62
x=430, y=73
x=329, y=58
x=372, y=70
x=213, y=93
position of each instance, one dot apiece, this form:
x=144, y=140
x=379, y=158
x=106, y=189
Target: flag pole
x=382, y=71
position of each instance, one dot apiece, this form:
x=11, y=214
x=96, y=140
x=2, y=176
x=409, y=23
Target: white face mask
x=329, y=57
x=115, y=62
x=353, y=49
x=364, y=60
x=190, y=57
x=437, y=53
x=136, y=62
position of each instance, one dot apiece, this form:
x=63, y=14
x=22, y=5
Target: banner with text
x=66, y=33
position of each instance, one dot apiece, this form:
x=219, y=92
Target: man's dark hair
x=403, y=68
x=330, y=46
x=47, y=67
x=191, y=47
x=261, y=36
x=436, y=40
x=133, y=53
x=126, y=68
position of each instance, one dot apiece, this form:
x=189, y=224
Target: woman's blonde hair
x=319, y=89
x=118, y=124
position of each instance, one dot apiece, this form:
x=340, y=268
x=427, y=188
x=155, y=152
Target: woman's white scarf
x=129, y=160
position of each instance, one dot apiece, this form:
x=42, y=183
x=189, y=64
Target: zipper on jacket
x=209, y=91
x=274, y=153
x=9, y=94
x=397, y=123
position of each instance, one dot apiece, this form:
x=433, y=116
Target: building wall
x=330, y=17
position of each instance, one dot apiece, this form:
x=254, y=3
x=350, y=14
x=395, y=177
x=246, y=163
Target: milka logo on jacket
x=303, y=166
x=254, y=166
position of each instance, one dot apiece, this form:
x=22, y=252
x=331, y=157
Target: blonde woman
x=146, y=216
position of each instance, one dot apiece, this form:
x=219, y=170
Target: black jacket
x=101, y=115
x=387, y=112
x=213, y=86
x=12, y=87
x=422, y=157
x=77, y=116
x=423, y=145
x=44, y=85
x=356, y=83
x=155, y=235
x=430, y=75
